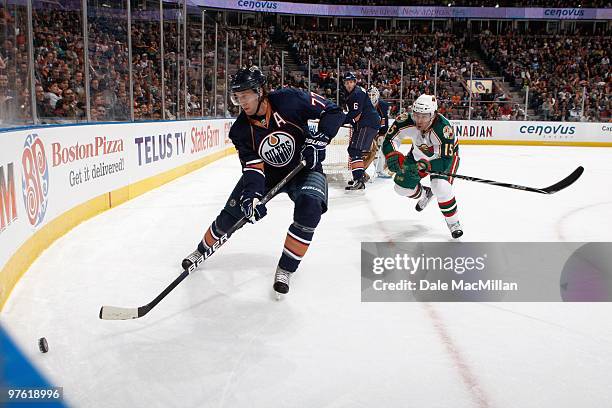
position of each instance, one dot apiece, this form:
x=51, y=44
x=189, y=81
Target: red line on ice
x=468, y=377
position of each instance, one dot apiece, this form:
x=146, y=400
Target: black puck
x=43, y=346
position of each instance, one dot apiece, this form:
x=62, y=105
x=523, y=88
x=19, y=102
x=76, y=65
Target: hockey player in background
x=366, y=122
x=271, y=135
x=375, y=154
x=434, y=148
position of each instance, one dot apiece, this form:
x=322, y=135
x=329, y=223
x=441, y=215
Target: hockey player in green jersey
x=434, y=148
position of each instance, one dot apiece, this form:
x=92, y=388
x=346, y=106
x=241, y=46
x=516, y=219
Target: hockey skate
x=385, y=174
x=366, y=178
x=455, y=229
x=425, y=199
x=194, y=258
x=281, y=282
x=355, y=185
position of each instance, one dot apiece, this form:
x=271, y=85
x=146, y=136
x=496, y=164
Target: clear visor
x=243, y=98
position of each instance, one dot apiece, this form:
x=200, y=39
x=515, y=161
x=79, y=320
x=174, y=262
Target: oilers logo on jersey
x=277, y=149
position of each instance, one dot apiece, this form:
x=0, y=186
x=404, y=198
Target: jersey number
x=449, y=149
x=316, y=99
x=356, y=106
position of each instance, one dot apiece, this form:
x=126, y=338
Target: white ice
x=220, y=340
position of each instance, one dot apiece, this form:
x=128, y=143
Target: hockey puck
x=43, y=346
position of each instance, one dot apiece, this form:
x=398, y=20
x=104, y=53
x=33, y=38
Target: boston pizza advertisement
x=45, y=172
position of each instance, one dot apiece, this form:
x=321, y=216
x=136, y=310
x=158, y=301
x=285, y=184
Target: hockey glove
x=395, y=161
x=320, y=139
x=313, y=152
x=249, y=204
x=424, y=167
x=313, y=155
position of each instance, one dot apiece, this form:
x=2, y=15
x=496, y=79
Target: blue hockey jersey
x=383, y=111
x=361, y=113
x=272, y=143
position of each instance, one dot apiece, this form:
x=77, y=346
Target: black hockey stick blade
x=127, y=313
x=566, y=182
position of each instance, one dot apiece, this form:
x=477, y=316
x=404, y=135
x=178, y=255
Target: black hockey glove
x=313, y=152
x=249, y=204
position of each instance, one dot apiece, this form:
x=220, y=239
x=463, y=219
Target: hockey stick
x=566, y=182
x=125, y=313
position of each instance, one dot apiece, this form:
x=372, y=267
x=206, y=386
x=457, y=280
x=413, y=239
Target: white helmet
x=425, y=104
x=374, y=95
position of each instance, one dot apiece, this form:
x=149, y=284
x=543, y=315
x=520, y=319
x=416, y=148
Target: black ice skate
x=356, y=185
x=281, y=282
x=455, y=229
x=194, y=258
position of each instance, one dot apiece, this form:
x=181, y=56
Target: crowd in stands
x=555, y=68
x=383, y=54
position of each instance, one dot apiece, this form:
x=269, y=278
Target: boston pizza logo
x=277, y=149
x=35, y=179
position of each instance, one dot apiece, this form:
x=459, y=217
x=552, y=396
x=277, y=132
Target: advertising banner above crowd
x=409, y=11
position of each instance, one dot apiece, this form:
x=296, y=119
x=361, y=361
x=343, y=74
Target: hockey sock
x=449, y=210
x=296, y=244
x=357, y=168
x=212, y=235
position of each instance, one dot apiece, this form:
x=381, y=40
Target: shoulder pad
x=443, y=127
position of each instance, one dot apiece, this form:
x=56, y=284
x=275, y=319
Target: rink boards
x=53, y=178
x=533, y=133
x=528, y=133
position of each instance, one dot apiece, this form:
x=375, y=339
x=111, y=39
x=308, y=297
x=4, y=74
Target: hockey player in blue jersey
x=271, y=135
x=366, y=122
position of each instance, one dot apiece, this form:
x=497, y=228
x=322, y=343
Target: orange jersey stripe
x=295, y=247
x=208, y=238
x=258, y=166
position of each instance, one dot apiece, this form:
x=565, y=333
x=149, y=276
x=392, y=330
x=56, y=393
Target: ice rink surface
x=220, y=340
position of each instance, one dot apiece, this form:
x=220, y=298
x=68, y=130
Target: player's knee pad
x=308, y=210
x=355, y=153
x=442, y=189
x=227, y=218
